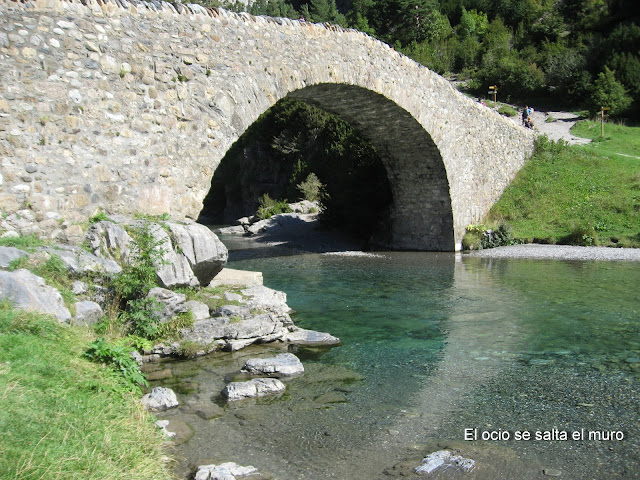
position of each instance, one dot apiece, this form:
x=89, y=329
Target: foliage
x=171, y=329
x=63, y=416
x=269, y=207
x=141, y=317
x=138, y=274
x=479, y=236
x=101, y=216
x=310, y=188
x=119, y=358
x=610, y=93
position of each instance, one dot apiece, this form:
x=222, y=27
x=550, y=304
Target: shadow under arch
x=422, y=215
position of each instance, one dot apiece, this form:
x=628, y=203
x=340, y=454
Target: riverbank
x=559, y=252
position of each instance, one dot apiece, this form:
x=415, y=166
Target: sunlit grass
x=64, y=417
x=565, y=189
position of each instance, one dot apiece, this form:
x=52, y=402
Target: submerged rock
x=283, y=365
x=160, y=398
x=224, y=471
x=444, y=458
x=258, y=387
x=301, y=336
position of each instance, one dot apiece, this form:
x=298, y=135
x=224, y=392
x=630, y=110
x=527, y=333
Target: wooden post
x=493, y=90
x=603, y=109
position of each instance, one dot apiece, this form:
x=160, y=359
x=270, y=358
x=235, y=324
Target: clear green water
x=434, y=344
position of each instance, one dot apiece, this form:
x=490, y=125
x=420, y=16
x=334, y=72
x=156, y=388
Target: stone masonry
x=130, y=106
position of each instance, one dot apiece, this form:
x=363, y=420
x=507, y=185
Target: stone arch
x=422, y=217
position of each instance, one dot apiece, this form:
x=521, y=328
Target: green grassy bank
x=64, y=417
x=582, y=195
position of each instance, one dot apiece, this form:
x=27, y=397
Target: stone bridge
x=131, y=106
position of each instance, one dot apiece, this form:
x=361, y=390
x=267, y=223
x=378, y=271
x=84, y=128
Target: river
x=436, y=346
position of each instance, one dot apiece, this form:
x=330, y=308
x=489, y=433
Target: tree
x=609, y=92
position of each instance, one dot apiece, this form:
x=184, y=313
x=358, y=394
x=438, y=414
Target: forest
x=579, y=54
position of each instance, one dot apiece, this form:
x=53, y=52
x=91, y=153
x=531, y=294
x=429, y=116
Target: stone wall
x=130, y=107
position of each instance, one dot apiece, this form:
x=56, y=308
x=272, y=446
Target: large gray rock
x=160, y=398
x=81, y=262
x=266, y=298
x=282, y=365
x=109, y=240
x=87, y=313
x=204, y=252
x=172, y=303
x=199, y=310
x=9, y=254
x=30, y=292
x=173, y=270
x=258, y=387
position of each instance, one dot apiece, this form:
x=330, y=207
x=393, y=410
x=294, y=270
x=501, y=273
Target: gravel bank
x=559, y=252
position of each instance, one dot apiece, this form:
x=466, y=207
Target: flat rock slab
x=258, y=387
x=282, y=365
x=237, y=278
x=300, y=336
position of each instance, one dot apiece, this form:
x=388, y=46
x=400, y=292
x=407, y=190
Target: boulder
x=199, y=310
x=87, y=313
x=160, y=398
x=81, y=262
x=173, y=269
x=258, y=387
x=30, y=292
x=224, y=471
x=109, y=240
x=266, y=298
x=282, y=365
x=204, y=252
x=9, y=254
x=172, y=303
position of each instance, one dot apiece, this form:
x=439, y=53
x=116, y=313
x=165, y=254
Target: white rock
x=160, y=398
x=258, y=387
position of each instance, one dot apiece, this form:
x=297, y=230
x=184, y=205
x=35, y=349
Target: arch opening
x=387, y=182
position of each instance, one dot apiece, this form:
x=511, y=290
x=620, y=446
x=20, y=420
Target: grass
x=571, y=194
x=22, y=242
x=620, y=142
x=64, y=417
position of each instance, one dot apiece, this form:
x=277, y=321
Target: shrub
x=310, y=188
x=119, y=358
x=269, y=207
x=582, y=235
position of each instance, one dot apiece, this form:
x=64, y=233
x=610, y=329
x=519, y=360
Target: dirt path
x=557, y=126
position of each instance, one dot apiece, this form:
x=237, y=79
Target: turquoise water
x=433, y=344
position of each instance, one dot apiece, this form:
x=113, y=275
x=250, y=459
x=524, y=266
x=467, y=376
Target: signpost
x=603, y=109
x=493, y=90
